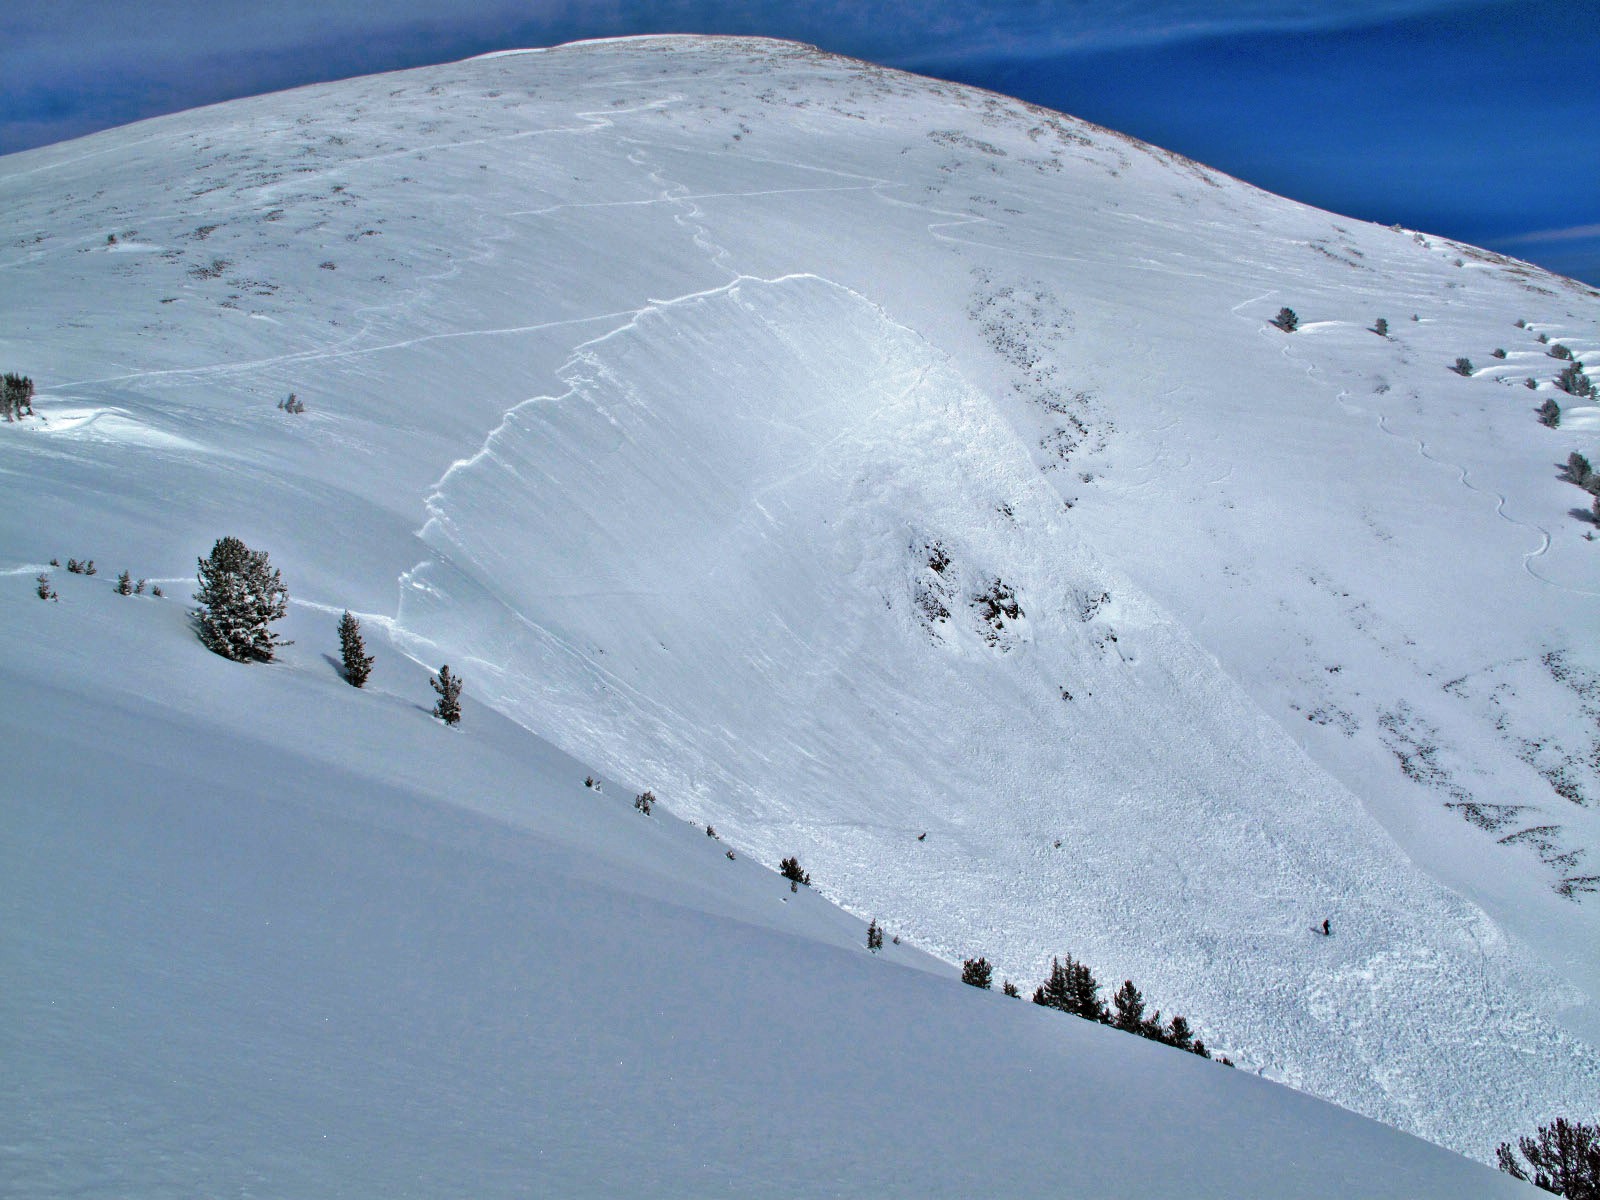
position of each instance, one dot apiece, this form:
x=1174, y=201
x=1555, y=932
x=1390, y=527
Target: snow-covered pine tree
x=357, y=662
x=1286, y=320
x=448, y=708
x=874, y=936
x=125, y=584
x=240, y=595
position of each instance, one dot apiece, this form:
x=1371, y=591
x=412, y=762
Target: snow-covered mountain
x=882, y=471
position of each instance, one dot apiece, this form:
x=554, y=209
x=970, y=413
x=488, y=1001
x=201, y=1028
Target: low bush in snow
x=16, y=396
x=1575, y=382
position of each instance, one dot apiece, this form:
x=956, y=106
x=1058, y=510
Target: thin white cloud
x=1572, y=233
x=1039, y=30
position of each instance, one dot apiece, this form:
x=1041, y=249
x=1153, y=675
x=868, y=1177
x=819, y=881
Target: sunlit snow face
x=1361, y=107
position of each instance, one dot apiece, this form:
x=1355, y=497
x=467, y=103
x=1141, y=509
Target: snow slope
x=269, y=936
x=850, y=457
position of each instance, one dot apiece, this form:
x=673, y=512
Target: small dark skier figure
x=1327, y=929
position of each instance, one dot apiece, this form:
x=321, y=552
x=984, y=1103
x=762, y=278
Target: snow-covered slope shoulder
x=902, y=477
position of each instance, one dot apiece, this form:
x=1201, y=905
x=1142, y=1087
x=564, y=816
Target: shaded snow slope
x=850, y=456
x=268, y=935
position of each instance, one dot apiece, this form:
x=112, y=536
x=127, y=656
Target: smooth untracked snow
x=661, y=375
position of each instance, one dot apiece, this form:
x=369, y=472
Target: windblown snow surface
x=884, y=472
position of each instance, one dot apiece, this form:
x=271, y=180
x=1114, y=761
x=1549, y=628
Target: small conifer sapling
x=1463, y=367
x=1550, y=414
x=124, y=584
x=874, y=936
x=1381, y=327
x=448, y=687
x=1286, y=320
x=353, y=651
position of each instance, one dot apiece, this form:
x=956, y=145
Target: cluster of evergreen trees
x=1072, y=988
x=241, y=594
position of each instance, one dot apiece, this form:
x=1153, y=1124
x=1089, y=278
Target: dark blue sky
x=1471, y=118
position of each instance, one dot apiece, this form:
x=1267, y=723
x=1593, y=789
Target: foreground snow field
x=270, y=936
x=848, y=457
